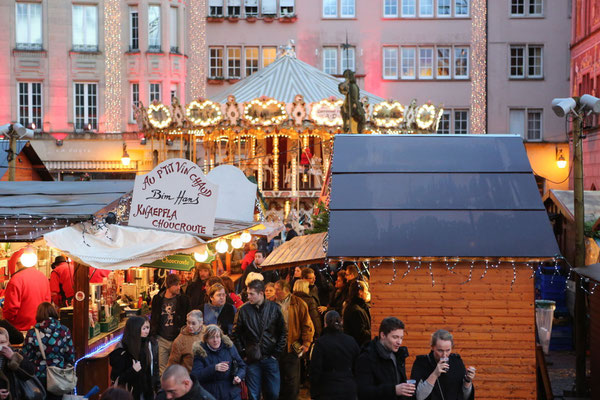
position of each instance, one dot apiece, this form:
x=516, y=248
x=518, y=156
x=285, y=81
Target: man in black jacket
x=260, y=335
x=380, y=369
x=169, y=311
x=177, y=384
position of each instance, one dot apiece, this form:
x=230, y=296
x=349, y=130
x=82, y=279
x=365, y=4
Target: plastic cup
x=411, y=381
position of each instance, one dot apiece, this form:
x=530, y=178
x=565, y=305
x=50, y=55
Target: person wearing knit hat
x=26, y=289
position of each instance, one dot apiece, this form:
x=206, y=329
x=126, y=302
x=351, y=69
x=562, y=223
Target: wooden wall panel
x=493, y=326
x=595, y=343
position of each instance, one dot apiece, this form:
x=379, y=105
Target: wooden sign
x=174, y=196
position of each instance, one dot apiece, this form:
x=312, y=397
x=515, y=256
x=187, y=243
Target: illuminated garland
x=383, y=109
x=159, y=108
x=113, y=65
x=198, y=48
x=426, y=116
x=334, y=118
x=294, y=176
x=265, y=104
x=213, y=109
x=275, y=163
x=478, y=66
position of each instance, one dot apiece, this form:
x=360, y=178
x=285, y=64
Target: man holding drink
x=441, y=374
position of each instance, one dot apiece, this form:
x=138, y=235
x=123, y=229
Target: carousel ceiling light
x=237, y=243
x=29, y=257
x=246, y=237
x=201, y=257
x=222, y=246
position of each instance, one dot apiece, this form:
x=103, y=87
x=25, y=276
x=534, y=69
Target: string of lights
x=198, y=51
x=113, y=66
x=479, y=66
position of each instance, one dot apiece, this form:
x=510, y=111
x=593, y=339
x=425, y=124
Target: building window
x=330, y=8
x=348, y=59
x=251, y=59
x=86, y=106
x=444, y=8
x=390, y=8
x=426, y=8
x=390, y=63
x=216, y=62
x=330, y=60
x=444, y=124
x=425, y=63
x=154, y=29
x=215, y=8
x=530, y=66
x=135, y=98
x=461, y=122
x=234, y=8
x=461, y=8
x=155, y=92
x=174, y=92
x=30, y=104
x=409, y=62
x=85, y=28
x=526, y=8
x=251, y=8
x=409, y=8
x=134, y=29
x=443, y=63
x=269, y=7
x=29, y=26
x=269, y=54
x=234, y=62
x=347, y=9
x=526, y=123
x=174, y=30
x=461, y=62
x=286, y=7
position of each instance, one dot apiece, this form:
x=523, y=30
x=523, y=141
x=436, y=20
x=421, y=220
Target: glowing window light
x=159, y=107
x=213, y=108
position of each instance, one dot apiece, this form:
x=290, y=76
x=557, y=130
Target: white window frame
x=525, y=61
x=87, y=119
x=268, y=7
x=422, y=67
x=174, y=30
x=527, y=4
x=528, y=120
x=231, y=8
x=328, y=6
x=27, y=120
x=525, y=116
x=213, y=8
x=446, y=118
x=263, y=58
x=174, y=92
x=155, y=46
x=345, y=6
x=438, y=6
x=217, y=68
x=255, y=60
x=410, y=3
x=29, y=42
x=230, y=59
x=330, y=55
x=285, y=6
x=393, y=59
x=447, y=58
x=390, y=4
x=347, y=62
x=251, y=8
x=154, y=92
x=430, y=3
x=541, y=62
x=84, y=47
x=456, y=14
x=135, y=98
x=410, y=62
x=457, y=49
x=455, y=121
x=134, y=29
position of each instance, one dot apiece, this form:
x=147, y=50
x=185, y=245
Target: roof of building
x=301, y=250
x=565, y=203
x=435, y=196
x=286, y=78
x=24, y=147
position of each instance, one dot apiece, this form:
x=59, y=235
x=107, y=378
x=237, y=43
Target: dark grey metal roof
x=435, y=196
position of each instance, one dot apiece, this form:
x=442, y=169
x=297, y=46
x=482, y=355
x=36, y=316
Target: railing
x=29, y=46
x=154, y=48
x=85, y=48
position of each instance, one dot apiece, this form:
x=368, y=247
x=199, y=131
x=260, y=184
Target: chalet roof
x=435, y=196
x=565, y=203
x=301, y=250
x=285, y=78
x=25, y=147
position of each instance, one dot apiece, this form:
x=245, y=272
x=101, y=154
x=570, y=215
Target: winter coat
x=248, y=259
x=181, y=352
x=237, y=301
x=197, y=392
x=196, y=294
x=61, y=283
x=300, y=327
x=58, y=347
x=250, y=320
x=451, y=382
x=12, y=370
x=14, y=335
x=313, y=311
x=336, y=300
x=357, y=321
x=376, y=374
x=26, y=290
x=145, y=381
x=224, y=319
x=219, y=384
x=182, y=307
x=332, y=366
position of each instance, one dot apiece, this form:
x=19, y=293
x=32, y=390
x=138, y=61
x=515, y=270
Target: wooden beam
x=81, y=309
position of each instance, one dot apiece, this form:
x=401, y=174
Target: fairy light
x=294, y=176
x=383, y=114
x=260, y=174
x=327, y=112
x=205, y=166
x=286, y=209
x=394, y=269
x=426, y=116
x=431, y=274
x=278, y=116
x=275, y=163
x=514, y=279
x=198, y=49
x=112, y=66
x=213, y=112
x=212, y=163
x=478, y=66
x=305, y=146
x=160, y=109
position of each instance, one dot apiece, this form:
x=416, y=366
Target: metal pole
x=12, y=163
x=580, y=308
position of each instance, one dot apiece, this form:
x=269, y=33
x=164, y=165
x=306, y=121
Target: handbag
x=58, y=380
x=30, y=388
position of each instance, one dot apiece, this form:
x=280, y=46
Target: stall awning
x=591, y=271
x=301, y=250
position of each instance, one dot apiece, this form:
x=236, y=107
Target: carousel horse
x=177, y=113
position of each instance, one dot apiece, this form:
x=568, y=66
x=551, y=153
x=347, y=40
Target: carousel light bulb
x=237, y=243
x=29, y=257
x=222, y=246
x=246, y=237
x=201, y=257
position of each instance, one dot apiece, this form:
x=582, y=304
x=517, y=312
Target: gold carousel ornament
x=159, y=115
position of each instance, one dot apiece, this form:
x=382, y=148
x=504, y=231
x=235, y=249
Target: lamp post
x=578, y=108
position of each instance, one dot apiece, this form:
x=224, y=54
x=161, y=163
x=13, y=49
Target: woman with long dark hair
x=134, y=361
x=332, y=364
x=357, y=317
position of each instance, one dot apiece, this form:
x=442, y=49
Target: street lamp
x=578, y=108
x=560, y=159
x=125, y=160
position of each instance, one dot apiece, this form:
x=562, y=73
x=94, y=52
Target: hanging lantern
x=201, y=257
x=222, y=246
x=237, y=243
x=29, y=257
x=246, y=237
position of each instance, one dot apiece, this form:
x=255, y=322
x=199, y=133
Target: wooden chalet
x=29, y=165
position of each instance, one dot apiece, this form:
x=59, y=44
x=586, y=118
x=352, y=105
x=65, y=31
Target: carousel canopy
x=435, y=196
x=286, y=78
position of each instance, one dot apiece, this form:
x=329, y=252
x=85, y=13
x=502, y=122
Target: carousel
x=277, y=126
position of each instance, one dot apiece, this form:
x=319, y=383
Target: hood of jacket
x=199, y=351
x=185, y=331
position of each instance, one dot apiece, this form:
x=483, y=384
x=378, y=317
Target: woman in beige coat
x=181, y=352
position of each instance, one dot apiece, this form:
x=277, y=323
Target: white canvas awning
x=120, y=247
